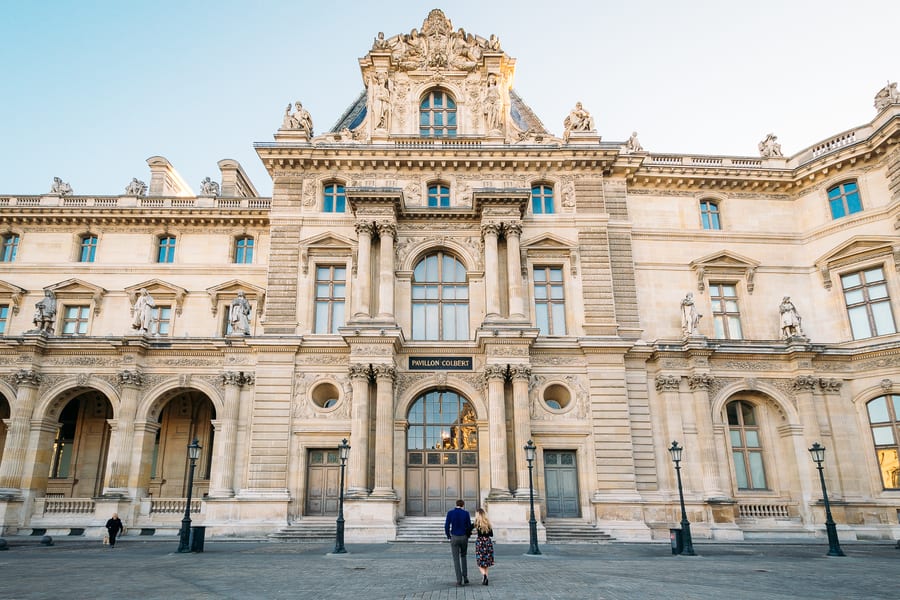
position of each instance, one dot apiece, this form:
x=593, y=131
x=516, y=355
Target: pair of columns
x=358, y=467
x=495, y=377
x=491, y=232
x=366, y=230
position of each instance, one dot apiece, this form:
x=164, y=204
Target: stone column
x=495, y=376
x=144, y=439
x=361, y=292
x=521, y=376
x=222, y=474
x=386, y=231
x=514, y=270
x=358, y=461
x=384, y=431
x=118, y=463
x=668, y=385
x=491, y=231
x=18, y=430
x=712, y=485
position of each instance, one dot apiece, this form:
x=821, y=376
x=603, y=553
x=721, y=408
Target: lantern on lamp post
x=530, y=451
x=817, y=451
x=184, y=541
x=344, y=449
x=675, y=450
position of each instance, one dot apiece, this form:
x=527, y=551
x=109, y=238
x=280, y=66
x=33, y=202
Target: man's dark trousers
x=458, y=546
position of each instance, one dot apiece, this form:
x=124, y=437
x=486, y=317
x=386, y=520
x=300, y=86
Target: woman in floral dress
x=484, y=545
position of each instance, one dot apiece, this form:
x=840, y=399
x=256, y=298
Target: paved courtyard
x=76, y=569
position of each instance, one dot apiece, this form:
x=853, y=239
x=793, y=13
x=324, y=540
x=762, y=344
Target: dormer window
x=438, y=195
x=437, y=115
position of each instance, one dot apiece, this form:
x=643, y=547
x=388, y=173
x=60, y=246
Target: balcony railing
x=69, y=506
x=131, y=202
x=173, y=506
x=764, y=511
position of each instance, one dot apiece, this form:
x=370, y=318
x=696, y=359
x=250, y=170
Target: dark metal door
x=323, y=479
x=561, y=477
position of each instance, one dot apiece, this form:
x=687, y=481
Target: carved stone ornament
x=830, y=384
x=60, y=187
x=520, y=372
x=667, y=383
x=126, y=377
x=385, y=372
x=495, y=372
x=208, y=187
x=887, y=385
x=27, y=377
x=770, y=147
x=359, y=371
x=136, y=188
x=236, y=378
x=805, y=382
x=886, y=96
x=702, y=381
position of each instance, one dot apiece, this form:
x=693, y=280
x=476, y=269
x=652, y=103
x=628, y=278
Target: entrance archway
x=441, y=454
x=185, y=416
x=79, y=448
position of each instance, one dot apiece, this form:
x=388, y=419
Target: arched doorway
x=185, y=416
x=79, y=447
x=441, y=454
x=4, y=414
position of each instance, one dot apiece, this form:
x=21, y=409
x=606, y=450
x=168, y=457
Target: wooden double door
x=323, y=481
x=561, y=480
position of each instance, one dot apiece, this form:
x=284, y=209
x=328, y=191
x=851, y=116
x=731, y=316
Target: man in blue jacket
x=457, y=527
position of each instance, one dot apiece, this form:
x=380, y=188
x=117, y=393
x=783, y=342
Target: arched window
x=884, y=418
x=843, y=199
x=709, y=214
x=442, y=420
x=437, y=115
x=542, y=199
x=746, y=446
x=438, y=195
x=334, y=200
x=440, y=299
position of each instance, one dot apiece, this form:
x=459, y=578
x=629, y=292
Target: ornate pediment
x=857, y=250
x=550, y=247
x=228, y=291
x=12, y=294
x=161, y=291
x=76, y=290
x=724, y=264
x=328, y=245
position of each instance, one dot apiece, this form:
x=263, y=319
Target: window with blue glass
x=542, y=199
x=335, y=198
x=10, y=247
x=75, y=320
x=709, y=214
x=843, y=199
x=4, y=316
x=437, y=115
x=243, y=250
x=88, y=248
x=166, y=253
x=438, y=195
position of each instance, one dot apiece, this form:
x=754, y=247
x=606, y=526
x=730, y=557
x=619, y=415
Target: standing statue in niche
x=300, y=119
x=142, y=312
x=493, y=105
x=209, y=187
x=60, y=187
x=790, y=319
x=381, y=101
x=690, y=318
x=45, y=314
x=769, y=147
x=239, y=315
x=578, y=120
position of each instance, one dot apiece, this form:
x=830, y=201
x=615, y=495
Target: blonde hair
x=482, y=523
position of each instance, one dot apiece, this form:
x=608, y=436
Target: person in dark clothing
x=457, y=528
x=114, y=526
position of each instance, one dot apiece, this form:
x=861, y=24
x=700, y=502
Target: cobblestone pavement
x=262, y=570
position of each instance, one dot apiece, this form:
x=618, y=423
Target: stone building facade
x=439, y=279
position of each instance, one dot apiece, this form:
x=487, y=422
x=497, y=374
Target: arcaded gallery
x=439, y=278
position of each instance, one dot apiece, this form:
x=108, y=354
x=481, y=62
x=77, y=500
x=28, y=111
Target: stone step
x=574, y=532
x=311, y=529
x=420, y=530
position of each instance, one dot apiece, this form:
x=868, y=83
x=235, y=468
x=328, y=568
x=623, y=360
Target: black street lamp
x=530, y=450
x=184, y=543
x=834, y=546
x=675, y=450
x=344, y=449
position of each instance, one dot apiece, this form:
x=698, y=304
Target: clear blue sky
x=91, y=89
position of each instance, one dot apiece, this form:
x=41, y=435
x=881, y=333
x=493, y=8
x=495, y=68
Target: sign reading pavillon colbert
x=440, y=363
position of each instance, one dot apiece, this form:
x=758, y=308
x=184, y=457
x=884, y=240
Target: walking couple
x=458, y=527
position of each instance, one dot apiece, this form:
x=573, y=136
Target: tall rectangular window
x=243, y=250
x=75, y=320
x=4, y=317
x=166, y=252
x=10, y=247
x=549, y=300
x=843, y=199
x=335, y=199
x=746, y=446
x=88, y=248
x=709, y=215
x=726, y=316
x=162, y=320
x=331, y=292
x=542, y=200
x=868, y=303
